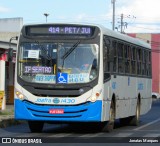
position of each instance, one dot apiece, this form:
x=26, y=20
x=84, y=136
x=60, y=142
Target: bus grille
x=42, y=111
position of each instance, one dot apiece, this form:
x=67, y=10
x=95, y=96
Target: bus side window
x=120, y=57
x=107, y=57
x=106, y=53
x=114, y=46
x=139, y=61
x=127, y=58
x=149, y=64
x=133, y=60
x=143, y=62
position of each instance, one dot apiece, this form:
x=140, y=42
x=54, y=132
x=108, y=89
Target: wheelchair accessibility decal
x=62, y=78
x=72, y=78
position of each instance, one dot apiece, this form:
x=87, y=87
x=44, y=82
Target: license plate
x=56, y=111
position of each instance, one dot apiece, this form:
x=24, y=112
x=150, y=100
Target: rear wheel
x=109, y=125
x=35, y=126
x=134, y=120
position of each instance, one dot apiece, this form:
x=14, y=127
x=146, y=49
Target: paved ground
x=7, y=117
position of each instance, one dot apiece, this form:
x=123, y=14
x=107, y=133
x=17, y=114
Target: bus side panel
x=126, y=90
x=106, y=101
x=146, y=97
x=145, y=105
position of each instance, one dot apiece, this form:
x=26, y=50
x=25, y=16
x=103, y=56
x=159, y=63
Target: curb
x=6, y=121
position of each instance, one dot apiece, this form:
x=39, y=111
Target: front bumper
x=85, y=112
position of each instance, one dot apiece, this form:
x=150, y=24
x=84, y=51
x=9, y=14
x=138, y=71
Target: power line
x=123, y=25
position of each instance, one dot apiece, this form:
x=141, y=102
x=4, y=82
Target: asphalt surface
x=146, y=133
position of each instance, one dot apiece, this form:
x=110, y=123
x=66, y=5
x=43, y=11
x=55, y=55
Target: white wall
x=11, y=24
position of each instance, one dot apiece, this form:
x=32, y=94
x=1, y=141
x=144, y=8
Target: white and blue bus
x=80, y=73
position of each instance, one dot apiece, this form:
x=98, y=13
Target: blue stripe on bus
x=88, y=112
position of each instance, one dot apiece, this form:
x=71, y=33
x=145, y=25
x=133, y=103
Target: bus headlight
x=95, y=96
x=20, y=95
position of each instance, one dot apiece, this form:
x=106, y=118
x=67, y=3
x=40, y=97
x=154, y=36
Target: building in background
x=154, y=40
x=9, y=27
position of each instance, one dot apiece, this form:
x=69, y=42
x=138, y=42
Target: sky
x=141, y=16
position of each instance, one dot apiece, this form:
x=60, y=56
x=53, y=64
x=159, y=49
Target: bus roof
x=124, y=37
x=106, y=31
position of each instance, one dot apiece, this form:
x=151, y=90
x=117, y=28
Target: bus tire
x=124, y=121
x=35, y=126
x=134, y=120
x=109, y=125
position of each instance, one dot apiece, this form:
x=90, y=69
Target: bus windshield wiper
x=70, y=50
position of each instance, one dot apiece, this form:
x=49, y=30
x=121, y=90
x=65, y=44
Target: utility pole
x=122, y=23
x=113, y=17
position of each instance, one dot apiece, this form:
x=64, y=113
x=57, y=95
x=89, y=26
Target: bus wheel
x=134, y=120
x=35, y=126
x=109, y=125
x=124, y=121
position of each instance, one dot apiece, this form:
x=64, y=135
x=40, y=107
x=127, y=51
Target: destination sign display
x=38, y=69
x=60, y=30
x=70, y=30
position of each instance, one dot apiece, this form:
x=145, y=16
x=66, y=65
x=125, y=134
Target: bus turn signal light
x=19, y=95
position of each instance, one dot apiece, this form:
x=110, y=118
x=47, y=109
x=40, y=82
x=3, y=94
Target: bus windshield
x=54, y=63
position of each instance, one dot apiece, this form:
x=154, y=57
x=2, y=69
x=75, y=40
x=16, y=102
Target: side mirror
x=10, y=54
